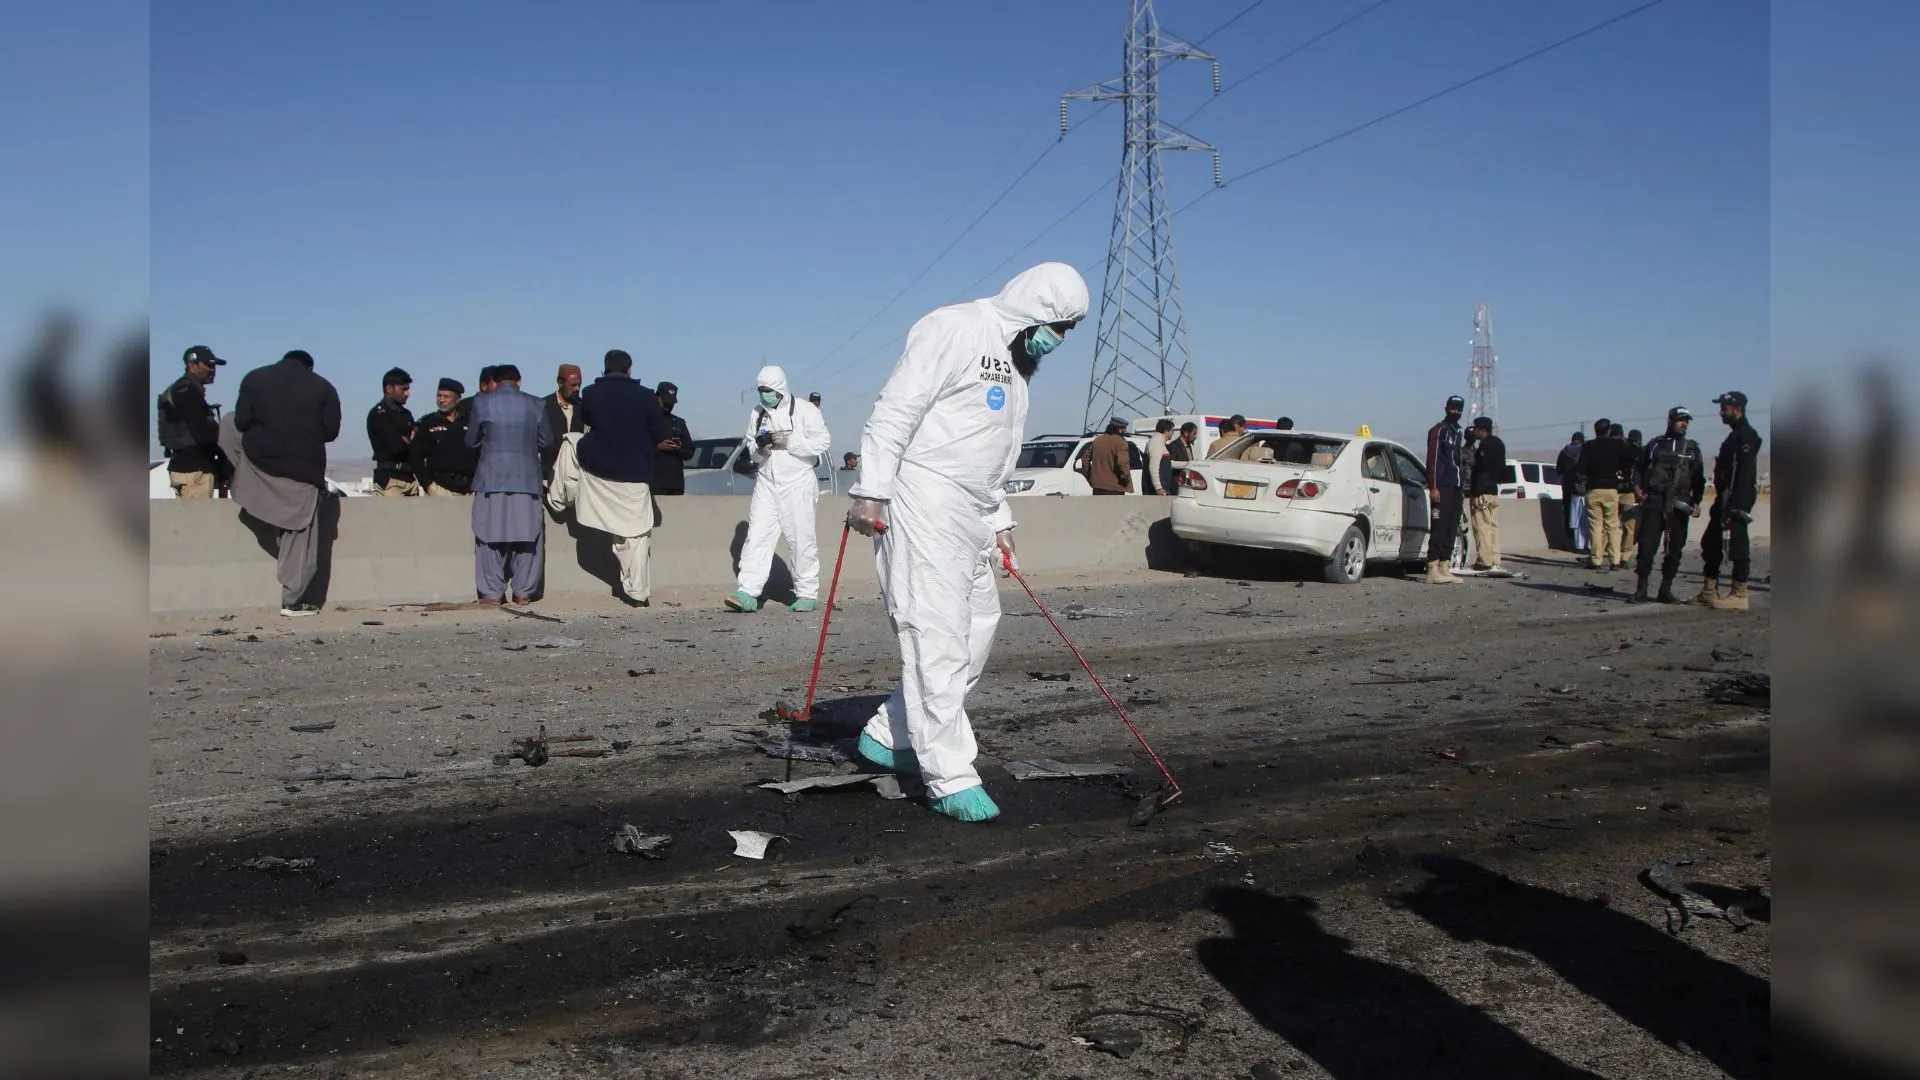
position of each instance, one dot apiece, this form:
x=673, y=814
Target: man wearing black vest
x=1672, y=478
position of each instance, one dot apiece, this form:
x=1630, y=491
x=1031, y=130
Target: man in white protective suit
x=789, y=439
x=934, y=462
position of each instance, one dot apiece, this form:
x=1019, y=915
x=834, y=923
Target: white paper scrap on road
x=1049, y=769
x=888, y=785
x=751, y=844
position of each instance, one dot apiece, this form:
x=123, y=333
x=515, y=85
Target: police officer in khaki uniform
x=190, y=429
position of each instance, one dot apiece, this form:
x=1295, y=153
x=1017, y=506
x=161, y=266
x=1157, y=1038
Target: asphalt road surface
x=1412, y=842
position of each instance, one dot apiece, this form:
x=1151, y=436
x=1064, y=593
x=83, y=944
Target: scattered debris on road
x=533, y=750
x=1049, y=769
x=340, y=770
x=1121, y=1042
x=631, y=841
x=752, y=844
x=888, y=785
x=230, y=956
x=1219, y=852
x=780, y=746
x=276, y=866
x=1753, y=689
x=323, y=725
x=1687, y=904
x=1049, y=676
x=552, y=641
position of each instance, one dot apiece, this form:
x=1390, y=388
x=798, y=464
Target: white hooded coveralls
x=939, y=447
x=785, y=489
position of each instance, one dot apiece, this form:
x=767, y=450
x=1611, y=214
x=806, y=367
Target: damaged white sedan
x=1341, y=499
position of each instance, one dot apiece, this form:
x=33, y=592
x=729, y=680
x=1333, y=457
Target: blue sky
x=443, y=185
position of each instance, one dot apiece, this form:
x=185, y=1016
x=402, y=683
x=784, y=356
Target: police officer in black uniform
x=1672, y=478
x=1736, y=487
x=389, y=432
x=190, y=430
x=441, y=458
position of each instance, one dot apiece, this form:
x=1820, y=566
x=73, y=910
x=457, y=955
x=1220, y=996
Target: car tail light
x=1190, y=480
x=1297, y=488
x=1521, y=494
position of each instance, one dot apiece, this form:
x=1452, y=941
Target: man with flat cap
x=390, y=433
x=190, y=429
x=563, y=415
x=670, y=465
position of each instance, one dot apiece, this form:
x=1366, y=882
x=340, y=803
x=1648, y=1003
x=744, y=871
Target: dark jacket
x=1443, y=454
x=189, y=428
x=286, y=416
x=1694, y=484
x=1630, y=479
x=441, y=456
x=509, y=429
x=1571, y=482
x=1602, y=461
x=670, y=467
x=624, y=427
x=388, y=428
x=1736, y=479
x=1489, y=466
x=559, y=426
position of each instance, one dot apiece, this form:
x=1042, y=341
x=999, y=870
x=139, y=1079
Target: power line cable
x=1429, y=99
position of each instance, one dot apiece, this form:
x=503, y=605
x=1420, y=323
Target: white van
x=1051, y=464
x=1530, y=480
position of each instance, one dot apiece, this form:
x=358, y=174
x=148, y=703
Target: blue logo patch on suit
x=996, y=398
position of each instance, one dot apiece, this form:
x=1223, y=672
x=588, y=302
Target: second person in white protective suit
x=789, y=439
x=934, y=462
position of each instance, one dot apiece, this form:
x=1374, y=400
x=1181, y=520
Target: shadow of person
x=1354, y=1016
x=779, y=579
x=1674, y=992
x=593, y=552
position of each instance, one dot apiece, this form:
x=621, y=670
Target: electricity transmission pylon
x=1141, y=364
x=1483, y=394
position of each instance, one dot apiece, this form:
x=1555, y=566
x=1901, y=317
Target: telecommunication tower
x=1141, y=364
x=1483, y=395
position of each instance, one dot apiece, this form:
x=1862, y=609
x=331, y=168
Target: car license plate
x=1237, y=489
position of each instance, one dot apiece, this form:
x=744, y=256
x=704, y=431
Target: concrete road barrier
x=204, y=557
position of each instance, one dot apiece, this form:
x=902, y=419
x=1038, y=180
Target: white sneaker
x=295, y=611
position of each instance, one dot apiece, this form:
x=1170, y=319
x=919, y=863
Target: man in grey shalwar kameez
x=276, y=438
x=510, y=429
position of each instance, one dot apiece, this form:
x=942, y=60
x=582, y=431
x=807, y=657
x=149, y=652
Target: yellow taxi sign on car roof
x=1365, y=432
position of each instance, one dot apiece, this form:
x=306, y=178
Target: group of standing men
x=1621, y=494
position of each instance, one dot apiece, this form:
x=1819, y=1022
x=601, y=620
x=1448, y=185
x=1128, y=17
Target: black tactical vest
x=1672, y=470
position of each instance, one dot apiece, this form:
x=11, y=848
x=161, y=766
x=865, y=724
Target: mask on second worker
x=769, y=398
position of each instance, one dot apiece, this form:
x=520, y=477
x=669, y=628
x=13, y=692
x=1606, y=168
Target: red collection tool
x=1173, y=786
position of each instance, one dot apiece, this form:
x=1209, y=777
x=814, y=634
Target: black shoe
x=295, y=611
x=1639, y=593
x=1666, y=592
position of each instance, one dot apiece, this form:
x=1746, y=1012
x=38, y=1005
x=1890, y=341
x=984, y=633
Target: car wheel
x=1348, y=563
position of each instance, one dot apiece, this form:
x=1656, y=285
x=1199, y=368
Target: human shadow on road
x=1672, y=990
x=1356, y=1017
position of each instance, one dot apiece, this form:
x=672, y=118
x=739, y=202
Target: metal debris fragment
x=552, y=641
x=1753, y=689
x=1049, y=676
x=1688, y=904
x=809, y=783
x=778, y=746
x=1218, y=852
x=631, y=841
x=323, y=725
x=276, y=866
x=1049, y=769
x=752, y=844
